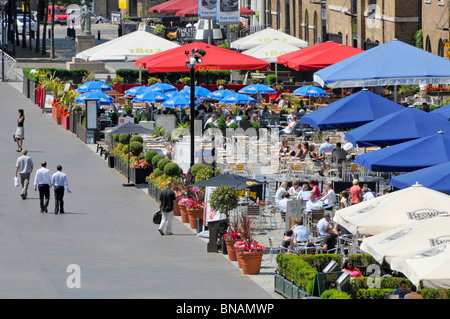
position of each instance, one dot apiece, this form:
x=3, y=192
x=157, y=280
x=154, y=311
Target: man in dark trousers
x=166, y=198
x=43, y=181
x=59, y=182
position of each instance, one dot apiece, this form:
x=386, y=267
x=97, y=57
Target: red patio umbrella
x=318, y=56
x=173, y=6
x=193, y=12
x=216, y=58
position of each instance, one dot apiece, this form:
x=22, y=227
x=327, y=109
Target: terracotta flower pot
x=250, y=262
x=176, y=209
x=193, y=214
x=183, y=213
x=230, y=248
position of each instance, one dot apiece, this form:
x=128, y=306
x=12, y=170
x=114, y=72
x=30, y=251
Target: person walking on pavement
x=20, y=131
x=24, y=167
x=166, y=198
x=43, y=181
x=59, y=182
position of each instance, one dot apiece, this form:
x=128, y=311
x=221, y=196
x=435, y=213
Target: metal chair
x=278, y=248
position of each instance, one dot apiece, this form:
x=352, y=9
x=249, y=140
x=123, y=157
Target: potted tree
x=224, y=199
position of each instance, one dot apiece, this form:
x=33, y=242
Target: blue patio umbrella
x=443, y=111
x=257, y=88
x=392, y=63
x=219, y=94
x=162, y=87
x=199, y=91
x=179, y=102
x=103, y=98
x=435, y=177
x=408, y=156
x=310, y=91
x=94, y=86
x=150, y=97
x=237, y=98
x=401, y=126
x=350, y=112
x=135, y=90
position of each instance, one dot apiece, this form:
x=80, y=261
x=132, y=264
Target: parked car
x=20, y=25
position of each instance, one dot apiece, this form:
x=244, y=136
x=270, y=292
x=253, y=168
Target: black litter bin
x=217, y=229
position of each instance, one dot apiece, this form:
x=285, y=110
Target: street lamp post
x=191, y=62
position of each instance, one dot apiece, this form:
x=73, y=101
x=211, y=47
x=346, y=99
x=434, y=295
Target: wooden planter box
x=65, y=122
x=288, y=289
x=153, y=192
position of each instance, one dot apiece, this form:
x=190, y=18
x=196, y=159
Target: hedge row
x=60, y=73
x=212, y=75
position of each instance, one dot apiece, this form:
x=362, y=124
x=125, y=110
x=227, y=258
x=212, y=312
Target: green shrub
x=149, y=156
x=255, y=125
x=162, y=163
x=322, y=260
x=221, y=124
x=157, y=172
x=136, y=148
x=156, y=159
x=224, y=199
x=335, y=294
x=172, y=169
x=244, y=118
x=233, y=125
x=125, y=149
x=137, y=138
x=271, y=78
x=196, y=167
x=206, y=173
x=297, y=270
x=115, y=119
x=116, y=138
x=124, y=138
x=372, y=293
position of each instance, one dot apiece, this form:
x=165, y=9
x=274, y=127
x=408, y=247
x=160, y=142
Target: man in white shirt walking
x=43, y=181
x=59, y=182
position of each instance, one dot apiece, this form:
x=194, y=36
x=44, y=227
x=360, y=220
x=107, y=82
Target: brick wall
x=434, y=18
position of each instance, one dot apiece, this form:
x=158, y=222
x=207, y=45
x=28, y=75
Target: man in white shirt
x=59, y=182
x=326, y=147
x=282, y=205
x=329, y=197
x=43, y=181
x=325, y=221
x=289, y=129
x=212, y=119
x=367, y=193
x=313, y=203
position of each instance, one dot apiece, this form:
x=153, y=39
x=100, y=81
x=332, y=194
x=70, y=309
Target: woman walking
x=20, y=131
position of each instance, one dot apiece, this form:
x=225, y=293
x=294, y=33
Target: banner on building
x=207, y=9
x=227, y=12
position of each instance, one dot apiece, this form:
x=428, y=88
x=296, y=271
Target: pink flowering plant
x=232, y=235
x=245, y=246
x=193, y=204
x=247, y=243
x=183, y=200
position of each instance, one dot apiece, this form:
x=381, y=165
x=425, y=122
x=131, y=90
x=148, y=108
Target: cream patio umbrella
x=428, y=266
x=265, y=36
x=396, y=209
x=407, y=239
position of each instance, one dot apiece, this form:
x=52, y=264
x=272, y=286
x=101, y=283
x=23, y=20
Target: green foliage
x=271, y=78
x=185, y=80
x=124, y=138
x=224, y=46
x=137, y=138
x=335, y=294
x=221, y=124
x=244, y=118
x=156, y=159
x=162, y=163
x=284, y=111
x=59, y=73
x=297, y=270
x=172, y=169
x=224, y=199
x=152, y=80
x=149, y=156
x=116, y=137
x=233, y=125
x=128, y=109
x=118, y=80
x=445, y=102
x=408, y=89
x=234, y=27
x=157, y=172
x=418, y=38
x=322, y=260
x=255, y=125
x=159, y=29
x=256, y=80
x=196, y=167
x=115, y=118
x=206, y=173
x=136, y=148
x=372, y=293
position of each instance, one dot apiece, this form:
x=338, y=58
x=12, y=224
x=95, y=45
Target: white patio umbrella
x=133, y=46
x=407, y=239
x=429, y=266
x=396, y=209
x=264, y=36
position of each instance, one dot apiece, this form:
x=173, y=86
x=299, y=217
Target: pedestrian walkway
x=107, y=230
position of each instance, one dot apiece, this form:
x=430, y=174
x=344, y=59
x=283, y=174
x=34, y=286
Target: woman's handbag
x=157, y=217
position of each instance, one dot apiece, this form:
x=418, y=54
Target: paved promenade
x=107, y=230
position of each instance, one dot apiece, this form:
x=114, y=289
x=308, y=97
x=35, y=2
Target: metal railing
x=8, y=67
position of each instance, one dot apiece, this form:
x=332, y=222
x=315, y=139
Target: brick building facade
x=435, y=26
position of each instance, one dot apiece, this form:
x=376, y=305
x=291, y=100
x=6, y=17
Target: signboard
x=48, y=102
x=227, y=12
x=122, y=4
x=293, y=212
x=207, y=9
x=186, y=35
x=115, y=17
x=91, y=114
x=210, y=214
x=124, y=120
